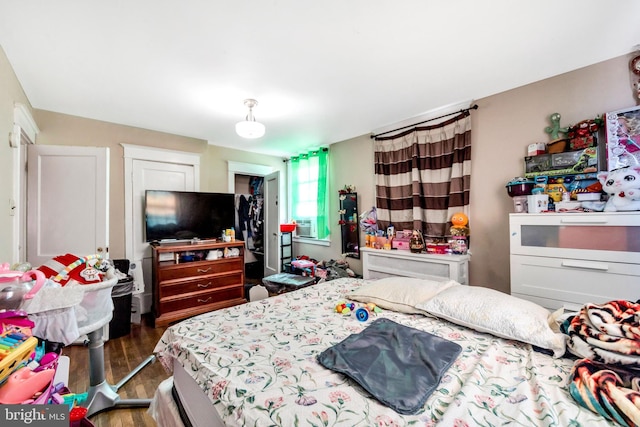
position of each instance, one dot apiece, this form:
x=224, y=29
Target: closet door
x=67, y=202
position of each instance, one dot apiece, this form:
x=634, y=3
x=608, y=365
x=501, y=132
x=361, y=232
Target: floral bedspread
x=257, y=363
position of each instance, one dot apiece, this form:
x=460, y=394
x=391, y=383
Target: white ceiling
x=322, y=71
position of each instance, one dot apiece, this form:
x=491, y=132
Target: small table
x=286, y=282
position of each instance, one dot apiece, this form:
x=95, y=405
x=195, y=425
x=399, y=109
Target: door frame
x=152, y=154
x=240, y=168
x=262, y=171
x=25, y=131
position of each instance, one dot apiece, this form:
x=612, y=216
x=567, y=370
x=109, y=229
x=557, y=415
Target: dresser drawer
x=200, y=268
x=194, y=301
x=608, y=236
x=558, y=282
x=207, y=283
x=378, y=263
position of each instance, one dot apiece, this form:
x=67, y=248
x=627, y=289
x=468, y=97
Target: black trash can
x=120, y=324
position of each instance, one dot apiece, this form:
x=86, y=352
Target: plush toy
x=623, y=187
x=459, y=232
x=555, y=130
x=459, y=227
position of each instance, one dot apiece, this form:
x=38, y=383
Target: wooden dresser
x=186, y=283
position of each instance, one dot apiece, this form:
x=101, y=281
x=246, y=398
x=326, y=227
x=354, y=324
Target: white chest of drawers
x=378, y=263
x=566, y=260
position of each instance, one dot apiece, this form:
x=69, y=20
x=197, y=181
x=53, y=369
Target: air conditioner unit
x=306, y=228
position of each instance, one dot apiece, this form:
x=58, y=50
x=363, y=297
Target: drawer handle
x=587, y=265
x=204, y=271
x=202, y=285
x=202, y=301
x=583, y=221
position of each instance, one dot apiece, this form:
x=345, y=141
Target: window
x=309, y=204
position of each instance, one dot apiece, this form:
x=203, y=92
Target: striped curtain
x=423, y=176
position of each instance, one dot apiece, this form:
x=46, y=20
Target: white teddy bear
x=623, y=187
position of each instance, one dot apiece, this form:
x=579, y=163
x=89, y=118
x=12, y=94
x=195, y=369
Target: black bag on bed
x=398, y=365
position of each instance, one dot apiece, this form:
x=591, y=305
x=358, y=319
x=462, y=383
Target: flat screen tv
x=186, y=215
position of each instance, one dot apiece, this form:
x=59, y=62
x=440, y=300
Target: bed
x=256, y=365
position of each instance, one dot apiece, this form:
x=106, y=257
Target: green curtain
x=323, y=205
x=305, y=161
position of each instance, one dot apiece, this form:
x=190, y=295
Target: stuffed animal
x=555, y=129
x=459, y=226
x=623, y=187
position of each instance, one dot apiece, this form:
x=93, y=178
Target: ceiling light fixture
x=249, y=128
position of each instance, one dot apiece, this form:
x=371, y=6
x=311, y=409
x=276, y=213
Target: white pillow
x=400, y=294
x=500, y=314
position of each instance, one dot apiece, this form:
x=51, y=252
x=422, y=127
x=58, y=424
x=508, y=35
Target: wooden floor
x=121, y=356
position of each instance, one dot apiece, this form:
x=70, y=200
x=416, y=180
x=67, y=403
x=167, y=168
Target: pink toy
x=49, y=360
x=23, y=384
x=16, y=286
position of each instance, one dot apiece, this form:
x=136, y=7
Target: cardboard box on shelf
x=585, y=160
x=536, y=149
x=570, y=162
x=537, y=164
x=537, y=203
x=582, y=142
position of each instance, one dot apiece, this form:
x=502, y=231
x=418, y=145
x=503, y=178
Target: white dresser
x=379, y=263
x=568, y=259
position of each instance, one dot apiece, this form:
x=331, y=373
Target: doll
x=459, y=233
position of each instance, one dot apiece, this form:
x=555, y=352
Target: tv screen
x=185, y=215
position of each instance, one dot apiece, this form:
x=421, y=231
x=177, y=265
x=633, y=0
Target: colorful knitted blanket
x=612, y=392
x=607, y=333
x=607, y=379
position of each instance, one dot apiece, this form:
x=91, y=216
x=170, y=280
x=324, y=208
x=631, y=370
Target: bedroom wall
x=10, y=93
x=61, y=129
x=351, y=163
x=502, y=128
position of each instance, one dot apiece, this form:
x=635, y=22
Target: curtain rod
x=473, y=107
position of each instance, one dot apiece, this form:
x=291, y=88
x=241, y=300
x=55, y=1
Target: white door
x=149, y=168
x=153, y=175
x=272, y=223
x=67, y=202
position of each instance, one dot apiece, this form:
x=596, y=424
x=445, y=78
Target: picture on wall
x=623, y=138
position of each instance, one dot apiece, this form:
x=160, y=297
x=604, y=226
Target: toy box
x=307, y=267
x=582, y=142
x=579, y=161
x=400, y=243
x=623, y=138
x=537, y=164
x=565, y=163
x=401, y=240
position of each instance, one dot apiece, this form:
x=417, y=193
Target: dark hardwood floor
x=121, y=355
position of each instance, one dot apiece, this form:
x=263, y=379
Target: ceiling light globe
x=250, y=129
